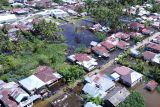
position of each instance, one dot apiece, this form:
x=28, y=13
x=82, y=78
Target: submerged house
x=151, y=85
x=12, y=95
x=128, y=76
x=116, y=96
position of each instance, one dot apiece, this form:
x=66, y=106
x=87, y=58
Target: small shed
x=115, y=76
x=151, y=85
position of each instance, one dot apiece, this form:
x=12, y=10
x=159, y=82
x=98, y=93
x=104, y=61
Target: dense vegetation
x=3, y=3
x=96, y=100
x=134, y=100
x=19, y=58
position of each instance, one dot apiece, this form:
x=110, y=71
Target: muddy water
x=152, y=99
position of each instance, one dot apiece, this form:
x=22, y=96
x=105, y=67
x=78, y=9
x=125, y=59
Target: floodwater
x=76, y=36
x=152, y=99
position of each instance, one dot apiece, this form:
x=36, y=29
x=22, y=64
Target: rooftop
x=47, y=74
x=31, y=83
x=122, y=70
x=118, y=95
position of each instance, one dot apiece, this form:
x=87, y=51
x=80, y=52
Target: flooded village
x=64, y=54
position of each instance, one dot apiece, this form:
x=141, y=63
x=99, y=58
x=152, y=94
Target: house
x=117, y=96
x=135, y=34
x=109, y=46
x=93, y=91
x=122, y=36
x=22, y=27
x=156, y=40
x=20, y=1
x=151, y=85
x=122, y=45
x=100, y=51
x=32, y=84
x=122, y=70
x=132, y=78
x=156, y=24
x=148, y=55
x=153, y=47
x=19, y=11
x=84, y=60
x=113, y=40
x=96, y=27
x=58, y=13
x=93, y=43
x=156, y=59
x=72, y=12
x=128, y=76
x=12, y=95
x=146, y=31
x=47, y=75
x=43, y=3
x=7, y=18
x=101, y=81
x=136, y=26
x=91, y=104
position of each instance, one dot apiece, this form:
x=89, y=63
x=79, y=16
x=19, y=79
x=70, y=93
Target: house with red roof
x=153, y=47
x=12, y=95
x=136, y=26
x=109, y=46
x=135, y=34
x=47, y=75
x=100, y=51
x=148, y=55
x=84, y=60
x=122, y=45
x=128, y=76
x=151, y=85
x=122, y=36
x=147, y=31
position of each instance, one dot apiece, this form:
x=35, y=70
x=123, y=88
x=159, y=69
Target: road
x=145, y=41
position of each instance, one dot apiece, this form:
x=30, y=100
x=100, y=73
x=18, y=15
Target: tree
x=48, y=31
x=58, y=1
x=100, y=36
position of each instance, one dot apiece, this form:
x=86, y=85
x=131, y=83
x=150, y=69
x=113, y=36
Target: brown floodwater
x=152, y=99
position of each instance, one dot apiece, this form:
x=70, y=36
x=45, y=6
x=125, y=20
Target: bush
x=100, y=36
